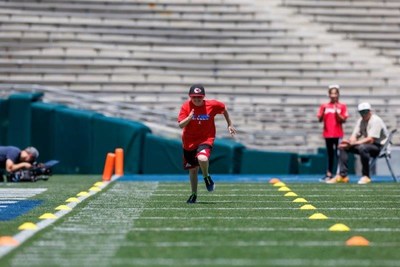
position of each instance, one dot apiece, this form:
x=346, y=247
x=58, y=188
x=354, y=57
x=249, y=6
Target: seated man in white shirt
x=368, y=136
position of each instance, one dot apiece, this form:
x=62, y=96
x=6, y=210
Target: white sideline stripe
x=255, y=229
x=24, y=235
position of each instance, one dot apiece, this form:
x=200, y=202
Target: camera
x=39, y=171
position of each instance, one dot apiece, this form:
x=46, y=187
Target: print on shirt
x=332, y=110
x=201, y=117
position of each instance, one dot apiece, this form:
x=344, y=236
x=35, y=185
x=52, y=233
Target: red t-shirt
x=332, y=126
x=201, y=129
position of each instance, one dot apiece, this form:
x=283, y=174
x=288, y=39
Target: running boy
x=196, y=118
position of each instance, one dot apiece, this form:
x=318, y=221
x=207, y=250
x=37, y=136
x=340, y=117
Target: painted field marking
x=15, y=201
x=293, y=262
x=263, y=218
x=93, y=235
x=29, y=229
x=257, y=229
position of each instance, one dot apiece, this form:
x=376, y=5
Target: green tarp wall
x=4, y=121
x=165, y=156
x=110, y=133
x=81, y=139
x=267, y=162
x=20, y=118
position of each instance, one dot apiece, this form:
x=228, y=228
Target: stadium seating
x=269, y=61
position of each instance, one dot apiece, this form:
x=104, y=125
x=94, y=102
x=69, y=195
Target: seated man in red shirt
x=196, y=118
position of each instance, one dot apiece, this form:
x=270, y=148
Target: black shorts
x=190, y=156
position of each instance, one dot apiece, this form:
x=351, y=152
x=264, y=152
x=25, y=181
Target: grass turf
x=59, y=188
x=241, y=224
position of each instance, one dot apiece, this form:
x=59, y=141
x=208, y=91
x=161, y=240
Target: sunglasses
x=363, y=112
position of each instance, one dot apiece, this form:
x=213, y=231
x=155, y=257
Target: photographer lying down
x=13, y=159
x=21, y=166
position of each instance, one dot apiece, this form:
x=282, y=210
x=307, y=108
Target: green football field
x=148, y=223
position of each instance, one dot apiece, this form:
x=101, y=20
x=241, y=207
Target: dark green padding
x=111, y=133
x=226, y=156
x=268, y=162
x=43, y=131
x=162, y=156
x=19, y=115
x=3, y=121
x=73, y=144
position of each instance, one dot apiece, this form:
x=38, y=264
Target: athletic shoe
x=338, y=179
x=209, y=183
x=192, y=199
x=364, y=180
x=325, y=179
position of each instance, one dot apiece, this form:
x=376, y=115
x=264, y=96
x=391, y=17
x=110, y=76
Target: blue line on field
x=16, y=208
x=308, y=178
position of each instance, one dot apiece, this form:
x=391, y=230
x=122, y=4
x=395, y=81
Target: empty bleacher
x=270, y=61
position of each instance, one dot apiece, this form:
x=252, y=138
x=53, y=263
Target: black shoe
x=192, y=199
x=209, y=183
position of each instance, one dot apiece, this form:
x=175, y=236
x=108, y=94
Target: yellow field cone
x=357, y=241
x=274, y=181
x=63, y=207
x=279, y=184
x=48, y=216
x=95, y=189
x=82, y=194
x=300, y=200
x=318, y=216
x=339, y=227
x=284, y=189
x=27, y=226
x=307, y=207
x=72, y=199
x=8, y=241
x=290, y=194
x=99, y=184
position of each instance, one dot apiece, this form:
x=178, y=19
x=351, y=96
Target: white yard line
x=263, y=218
x=13, y=193
x=269, y=208
x=217, y=194
x=266, y=243
x=285, y=200
x=255, y=229
x=334, y=262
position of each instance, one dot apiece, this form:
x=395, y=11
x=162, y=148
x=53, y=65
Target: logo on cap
x=197, y=90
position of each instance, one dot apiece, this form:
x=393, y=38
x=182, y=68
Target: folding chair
x=385, y=153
